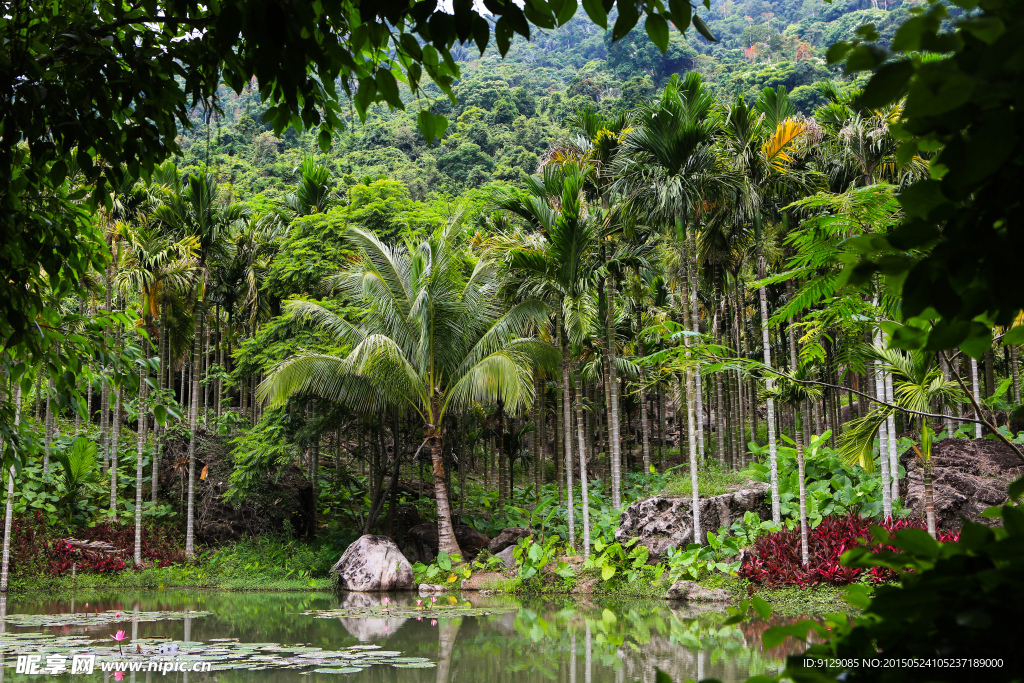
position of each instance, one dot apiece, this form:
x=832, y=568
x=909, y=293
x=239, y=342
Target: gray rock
x=662, y=522
x=432, y=589
x=968, y=476
x=506, y=557
x=373, y=563
x=507, y=537
x=691, y=591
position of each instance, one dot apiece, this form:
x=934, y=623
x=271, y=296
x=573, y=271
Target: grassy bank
x=261, y=564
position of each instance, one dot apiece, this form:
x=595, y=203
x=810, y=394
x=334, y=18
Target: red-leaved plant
x=774, y=559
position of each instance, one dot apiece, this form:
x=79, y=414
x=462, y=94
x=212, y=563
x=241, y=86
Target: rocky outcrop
x=422, y=542
x=507, y=558
x=373, y=563
x=507, y=537
x=968, y=475
x=691, y=591
x=663, y=522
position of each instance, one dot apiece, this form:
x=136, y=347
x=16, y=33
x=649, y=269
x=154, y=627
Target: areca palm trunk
x=799, y=439
x=1015, y=374
x=567, y=434
x=9, y=511
x=499, y=442
x=645, y=426
x=138, y=466
x=929, y=494
x=691, y=268
x=977, y=395
x=692, y=444
x=773, y=449
x=48, y=437
x=883, y=454
x=115, y=443
x=190, y=513
x=613, y=386
x=584, y=494
x=446, y=540
x=894, y=465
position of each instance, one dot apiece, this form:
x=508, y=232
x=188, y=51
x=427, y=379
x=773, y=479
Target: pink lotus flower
x=433, y=622
x=386, y=599
x=118, y=615
x=419, y=618
x=419, y=603
x=433, y=599
x=118, y=675
x=119, y=636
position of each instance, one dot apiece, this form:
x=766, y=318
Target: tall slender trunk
x=190, y=514
x=977, y=396
x=645, y=425
x=9, y=511
x=48, y=437
x=691, y=268
x=141, y=436
x=613, y=386
x=662, y=427
x=1015, y=375
x=894, y=465
x=105, y=422
x=883, y=450
x=538, y=434
x=929, y=495
x=584, y=495
x=799, y=439
x=446, y=540
x=115, y=443
x=567, y=433
x=698, y=537
x=499, y=441
x=773, y=449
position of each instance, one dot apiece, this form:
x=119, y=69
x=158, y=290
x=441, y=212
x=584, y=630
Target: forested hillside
x=510, y=111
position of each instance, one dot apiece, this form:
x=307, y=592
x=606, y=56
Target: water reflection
x=537, y=639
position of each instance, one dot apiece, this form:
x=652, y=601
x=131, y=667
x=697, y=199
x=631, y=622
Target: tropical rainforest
x=525, y=288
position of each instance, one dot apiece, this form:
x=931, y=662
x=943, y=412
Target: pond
x=255, y=637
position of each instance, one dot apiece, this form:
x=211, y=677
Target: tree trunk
x=883, y=450
x=929, y=496
x=104, y=423
x=773, y=449
x=567, y=435
x=48, y=437
x=446, y=540
x=977, y=396
x=190, y=515
x=9, y=512
x=613, y=386
x=894, y=465
x=115, y=444
x=645, y=425
x=1015, y=375
x=584, y=494
x=799, y=439
x=139, y=453
x=691, y=268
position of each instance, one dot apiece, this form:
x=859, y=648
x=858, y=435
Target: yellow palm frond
x=776, y=149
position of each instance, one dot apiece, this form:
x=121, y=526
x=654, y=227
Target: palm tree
x=670, y=168
x=433, y=339
x=193, y=209
x=594, y=150
x=921, y=385
x=761, y=141
x=795, y=390
x=560, y=262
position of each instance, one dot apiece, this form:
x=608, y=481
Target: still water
x=257, y=637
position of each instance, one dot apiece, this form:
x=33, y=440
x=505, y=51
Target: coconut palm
x=193, y=208
x=433, y=339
